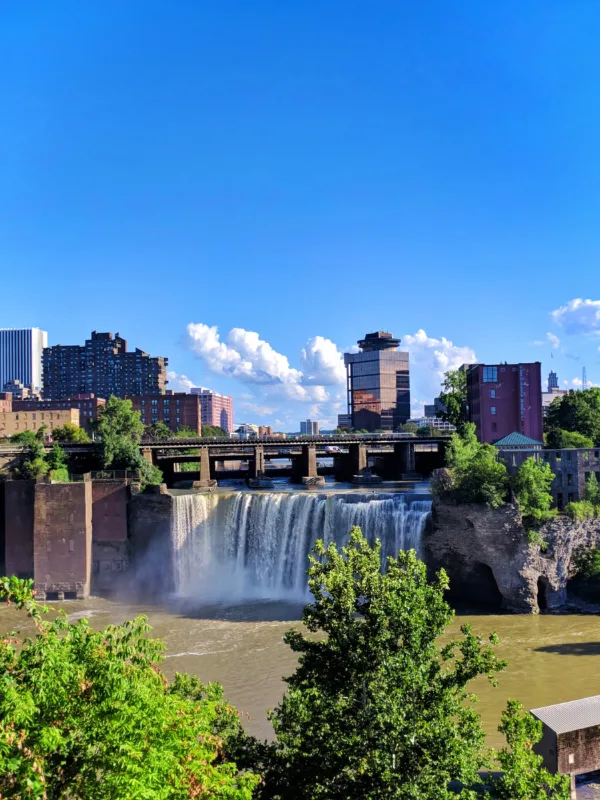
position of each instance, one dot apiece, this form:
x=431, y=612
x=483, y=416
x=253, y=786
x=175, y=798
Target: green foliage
x=559, y=439
x=88, y=715
x=377, y=708
x=30, y=438
x=578, y=412
x=532, y=490
x=70, y=434
x=120, y=429
x=581, y=510
x=523, y=777
x=587, y=563
x=57, y=464
x=158, y=430
x=592, y=490
x=408, y=427
x=476, y=475
x=454, y=397
x=214, y=431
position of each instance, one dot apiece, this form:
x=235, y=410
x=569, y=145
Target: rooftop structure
x=102, y=366
x=378, y=383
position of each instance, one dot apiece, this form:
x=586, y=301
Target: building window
x=493, y=411
x=494, y=427
x=569, y=479
x=493, y=394
x=490, y=374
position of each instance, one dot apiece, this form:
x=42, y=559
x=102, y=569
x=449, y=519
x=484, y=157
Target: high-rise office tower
x=309, y=427
x=103, y=367
x=552, y=381
x=21, y=355
x=378, y=383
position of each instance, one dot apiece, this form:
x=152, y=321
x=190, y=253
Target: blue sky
x=249, y=187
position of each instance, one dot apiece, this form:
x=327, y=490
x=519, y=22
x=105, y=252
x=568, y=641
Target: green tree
x=476, y=475
x=120, y=429
x=378, y=708
x=454, y=398
x=89, y=715
x=559, y=439
x=532, y=489
x=70, y=434
x=34, y=464
x=158, y=430
x=408, y=427
x=214, y=430
x=592, y=490
x=578, y=412
x=523, y=776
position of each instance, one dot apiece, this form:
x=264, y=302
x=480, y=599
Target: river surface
x=552, y=658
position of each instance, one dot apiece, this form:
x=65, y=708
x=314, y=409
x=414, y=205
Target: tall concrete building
x=21, y=356
x=504, y=399
x=309, y=427
x=103, y=367
x=378, y=383
x=217, y=409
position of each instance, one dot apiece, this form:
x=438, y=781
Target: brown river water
x=552, y=658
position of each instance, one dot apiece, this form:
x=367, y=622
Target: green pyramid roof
x=518, y=440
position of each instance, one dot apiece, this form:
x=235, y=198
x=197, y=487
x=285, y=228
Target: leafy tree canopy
x=70, y=434
x=454, y=398
x=378, y=707
x=578, y=412
x=559, y=439
x=408, y=427
x=89, y=715
x=476, y=475
x=120, y=429
x=214, y=430
x=158, y=430
x=532, y=489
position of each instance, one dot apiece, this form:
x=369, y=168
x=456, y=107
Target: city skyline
x=245, y=176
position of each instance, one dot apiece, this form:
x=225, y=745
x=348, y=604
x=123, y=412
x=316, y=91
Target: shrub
x=532, y=489
x=581, y=510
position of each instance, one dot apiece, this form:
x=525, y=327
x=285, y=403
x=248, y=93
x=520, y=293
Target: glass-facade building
x=378, y=383
x=21, y=356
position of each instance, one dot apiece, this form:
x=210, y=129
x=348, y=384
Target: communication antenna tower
x=584, y=383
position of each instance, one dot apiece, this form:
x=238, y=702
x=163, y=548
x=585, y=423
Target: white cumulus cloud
x=430, y=357
x=551, y=339
x=250, y=359
x=322, y=362
x=178, y=382
x=579, y=316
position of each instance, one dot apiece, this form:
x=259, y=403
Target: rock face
x=490, y=562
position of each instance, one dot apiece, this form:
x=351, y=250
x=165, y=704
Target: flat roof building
x=176, y=410
x=309, y=427
x=88, y=406
x=378, y=383
x=102, y=366
x=21, y=352
x=504, y=399
x=217, y=409
x=12, y=422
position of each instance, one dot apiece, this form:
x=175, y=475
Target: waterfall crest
x=255, y=545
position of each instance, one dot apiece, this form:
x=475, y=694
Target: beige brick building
x=12, y=422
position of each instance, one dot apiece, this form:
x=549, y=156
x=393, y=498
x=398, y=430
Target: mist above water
x=245, y=545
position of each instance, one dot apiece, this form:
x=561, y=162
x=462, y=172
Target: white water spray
x=233, y=547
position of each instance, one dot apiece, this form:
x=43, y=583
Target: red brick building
x=504, y=399
x=88, y=405
x=175, y=409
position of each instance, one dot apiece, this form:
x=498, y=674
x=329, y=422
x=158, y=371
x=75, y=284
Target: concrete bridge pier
x=404, y=457
x=359, y=462
x=205, y=481
x=304, y=467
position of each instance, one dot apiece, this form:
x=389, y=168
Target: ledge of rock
x=490, y=562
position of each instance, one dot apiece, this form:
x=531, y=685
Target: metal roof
x=573, y=716
x=517, y=439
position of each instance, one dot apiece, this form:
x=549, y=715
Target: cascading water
x=255, y=545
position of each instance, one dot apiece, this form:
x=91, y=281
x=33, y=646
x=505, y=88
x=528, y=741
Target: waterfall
x=255, y=545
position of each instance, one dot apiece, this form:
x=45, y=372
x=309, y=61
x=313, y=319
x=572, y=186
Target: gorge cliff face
x=491, y=564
